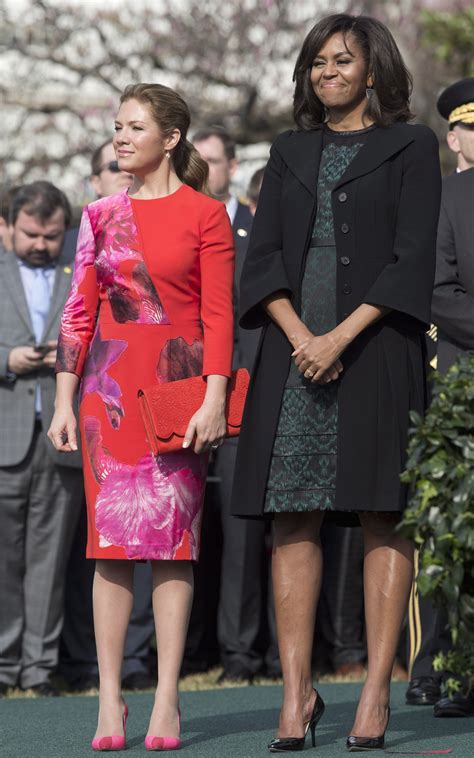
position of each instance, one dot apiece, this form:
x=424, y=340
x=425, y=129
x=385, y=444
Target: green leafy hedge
x=440, y=516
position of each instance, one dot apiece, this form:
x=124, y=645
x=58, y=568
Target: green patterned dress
x=302, y=473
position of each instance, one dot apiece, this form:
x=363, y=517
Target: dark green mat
x=233, y=723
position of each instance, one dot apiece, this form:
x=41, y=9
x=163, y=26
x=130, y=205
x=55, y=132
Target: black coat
x=385, y=211
x=453, y=296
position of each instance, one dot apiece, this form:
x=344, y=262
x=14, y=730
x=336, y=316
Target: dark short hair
x=255, y=184
x=6, y=197
x=392, y=86
x=96, y=160
x=220, y=133
x=40, y=199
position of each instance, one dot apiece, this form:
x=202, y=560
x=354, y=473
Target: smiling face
x=139, y=145
x=339, y=74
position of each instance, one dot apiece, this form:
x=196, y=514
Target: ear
x=370, y=81
x=453, y=142
x=233, y=164
x=172, y=139
x=96, y=184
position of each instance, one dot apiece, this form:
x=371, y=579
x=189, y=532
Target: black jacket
x=385, y=211
x=245, y=341
x=453, y=296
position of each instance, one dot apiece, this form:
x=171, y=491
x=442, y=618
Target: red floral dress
x=150, y=302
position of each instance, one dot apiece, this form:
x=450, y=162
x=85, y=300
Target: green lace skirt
x=302, y=474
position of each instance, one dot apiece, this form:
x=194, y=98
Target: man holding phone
x=40, y=491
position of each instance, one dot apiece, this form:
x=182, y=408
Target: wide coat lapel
x=301, y=152
x=15, y=288
x=381, y=145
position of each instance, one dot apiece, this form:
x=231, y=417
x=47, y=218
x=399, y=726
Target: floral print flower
x=178, y=360
x=146, y=507
x=102, y=354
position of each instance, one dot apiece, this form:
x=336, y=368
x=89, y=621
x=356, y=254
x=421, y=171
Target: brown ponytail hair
x=170, y=112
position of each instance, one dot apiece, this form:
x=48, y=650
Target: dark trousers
x=78, y=651
x=246, y=619
x=341, y=625
x=39, y=508
x=232, y=587
x=428, y=635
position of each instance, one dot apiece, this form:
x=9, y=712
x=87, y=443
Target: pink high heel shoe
x=164, y=743
x=116, y=742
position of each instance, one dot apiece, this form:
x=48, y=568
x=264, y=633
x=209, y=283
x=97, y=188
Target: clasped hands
x=317, y=358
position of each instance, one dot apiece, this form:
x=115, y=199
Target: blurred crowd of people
x=46, y=622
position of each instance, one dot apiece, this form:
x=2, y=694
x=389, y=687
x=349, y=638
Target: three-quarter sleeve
x=406, y=285
x=80, y=312
x=217, y=277
x=264, y=271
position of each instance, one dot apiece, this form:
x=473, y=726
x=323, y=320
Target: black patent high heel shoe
x=359, y=744
x=283, y=744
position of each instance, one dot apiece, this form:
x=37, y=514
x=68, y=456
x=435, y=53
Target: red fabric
x=150, y=302
x=192, y=256
x=167, y=408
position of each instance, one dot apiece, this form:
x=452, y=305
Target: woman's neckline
x=153, y=199
x=351, y=132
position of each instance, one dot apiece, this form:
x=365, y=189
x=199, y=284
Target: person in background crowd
x=453, y=315
x=78, y=652
x=106, y=179
x=253, y=190
x=106, y=176
x=340, y=272
x=6, y=197
x=244, y=628
x=40, y=491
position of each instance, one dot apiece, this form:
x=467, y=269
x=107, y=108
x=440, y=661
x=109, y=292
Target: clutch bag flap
x=167, y=408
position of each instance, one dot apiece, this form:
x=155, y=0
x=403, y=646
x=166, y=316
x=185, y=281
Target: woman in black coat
x=339, y=273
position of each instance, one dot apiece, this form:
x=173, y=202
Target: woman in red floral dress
x=151, y=302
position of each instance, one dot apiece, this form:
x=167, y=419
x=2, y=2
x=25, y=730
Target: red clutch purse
x=167, y=409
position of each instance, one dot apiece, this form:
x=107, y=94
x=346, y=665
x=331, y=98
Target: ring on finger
x=215, y=445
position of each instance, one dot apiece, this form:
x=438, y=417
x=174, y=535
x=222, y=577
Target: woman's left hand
x=208, y=425
x=318, y=358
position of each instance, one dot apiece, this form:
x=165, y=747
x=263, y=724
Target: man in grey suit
x=453, y=315
x=40, y=491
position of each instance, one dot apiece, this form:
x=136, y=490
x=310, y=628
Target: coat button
x=345, y=260
x=345, y=228
x=346, y=289
x=342, y=197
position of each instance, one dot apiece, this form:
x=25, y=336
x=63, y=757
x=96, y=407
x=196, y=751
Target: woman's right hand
x=62, y=431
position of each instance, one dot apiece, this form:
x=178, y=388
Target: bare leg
x=388, y=574
x=172, y=598
x=296, y=569
x=112, y=601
